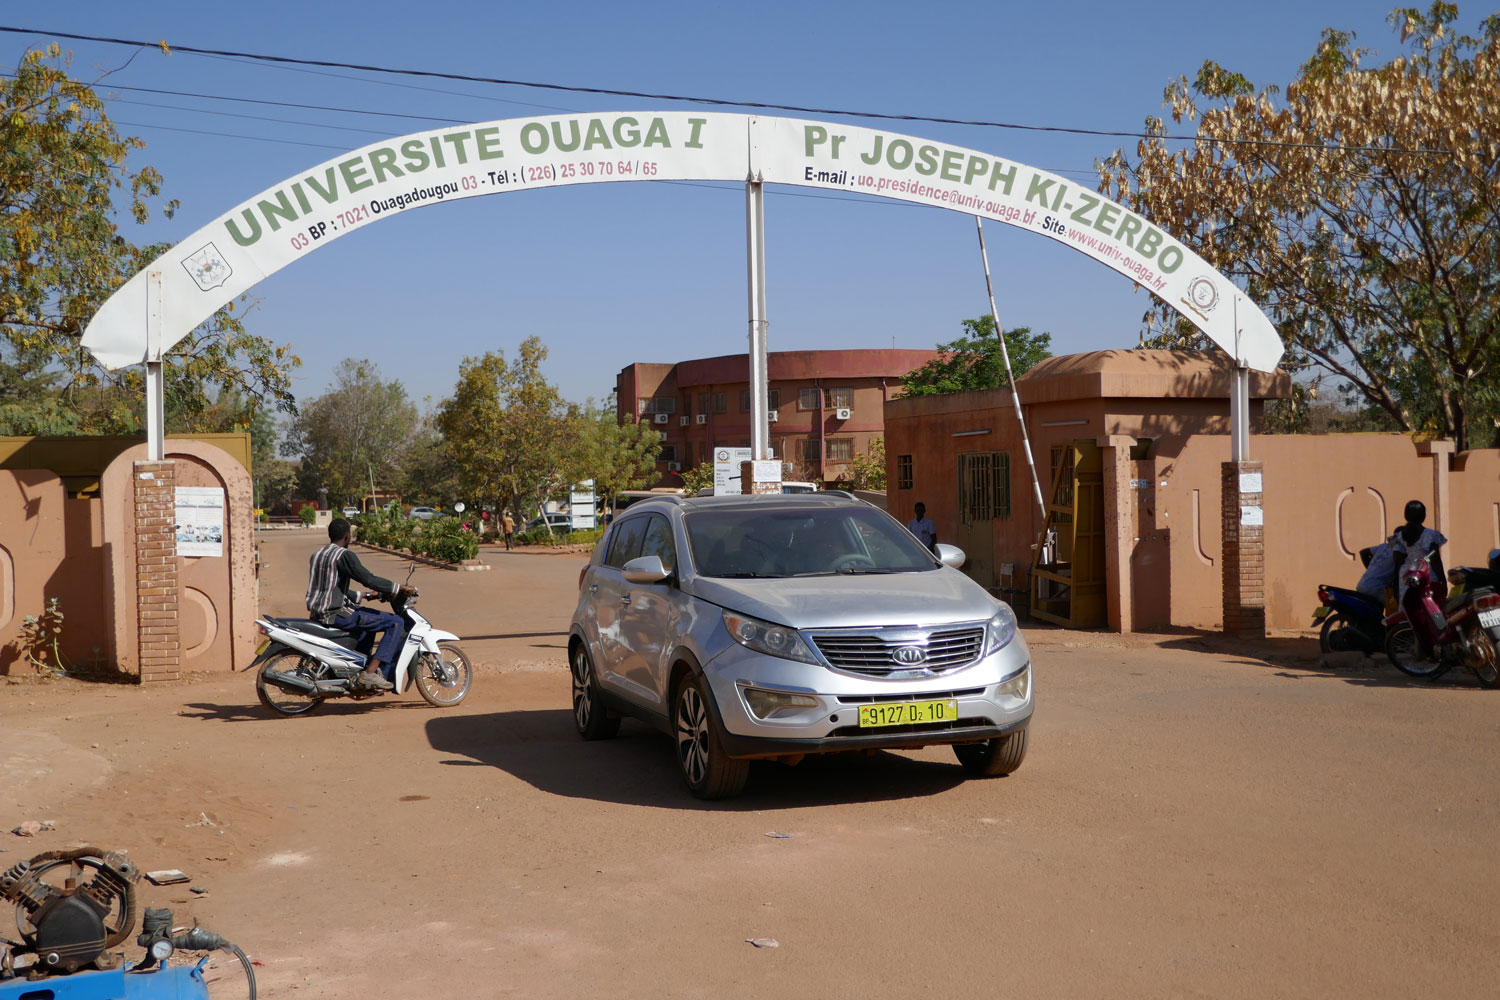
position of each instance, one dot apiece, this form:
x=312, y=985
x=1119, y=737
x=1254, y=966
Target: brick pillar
x=160, y=645
x=1244, y=550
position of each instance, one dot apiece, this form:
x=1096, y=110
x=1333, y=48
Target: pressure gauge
x=161, y=949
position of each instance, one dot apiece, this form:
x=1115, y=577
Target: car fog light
x=764, y=704
x=1018, y=686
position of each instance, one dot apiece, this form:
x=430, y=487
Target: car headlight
x=763, y=637
x=1018, y=686
x=1000, y=631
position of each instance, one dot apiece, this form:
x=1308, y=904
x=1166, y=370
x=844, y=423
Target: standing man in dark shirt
x=331, y=603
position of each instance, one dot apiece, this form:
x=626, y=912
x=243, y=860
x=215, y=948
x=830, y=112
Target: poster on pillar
x=200, y=520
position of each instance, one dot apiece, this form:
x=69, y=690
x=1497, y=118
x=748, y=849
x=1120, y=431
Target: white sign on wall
x=582, y=509
x=200, y=520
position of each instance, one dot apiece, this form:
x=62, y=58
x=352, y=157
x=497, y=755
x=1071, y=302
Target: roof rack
x=837, y=493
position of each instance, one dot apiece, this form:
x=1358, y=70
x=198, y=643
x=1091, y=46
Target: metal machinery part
x=70, y=926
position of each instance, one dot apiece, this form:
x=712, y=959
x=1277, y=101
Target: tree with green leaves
x=617, y=456
x=1361, y=206
x=62, y=162
x=360, y=429
x=974, y=360
x=867, y=470
x=511, y=436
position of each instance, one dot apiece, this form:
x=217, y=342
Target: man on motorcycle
x=331, y=603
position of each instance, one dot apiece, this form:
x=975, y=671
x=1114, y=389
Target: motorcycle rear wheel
x=1404, y=652
x=443, y=680
x=1335, y=627
x=1488, y=672
x=279, y=699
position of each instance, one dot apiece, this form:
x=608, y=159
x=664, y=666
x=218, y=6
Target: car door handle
x=625, y=599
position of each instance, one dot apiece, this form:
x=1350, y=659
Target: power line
x=277, y=104
x=721, y=102
x=231, y=135
x=231, y=114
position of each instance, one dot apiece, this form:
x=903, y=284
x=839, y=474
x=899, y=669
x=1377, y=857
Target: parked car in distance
x=350, y=512
x=424, y=513
x=794, y=487
x=775, y=626
x=559, y=522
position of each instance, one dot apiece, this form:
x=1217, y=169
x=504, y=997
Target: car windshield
x=801, y=541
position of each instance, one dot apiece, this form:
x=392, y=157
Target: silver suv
x=783, y=625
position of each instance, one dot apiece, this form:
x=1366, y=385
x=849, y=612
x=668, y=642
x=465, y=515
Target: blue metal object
x=178, y=982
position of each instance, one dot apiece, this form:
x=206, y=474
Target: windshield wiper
x=744, y=576
x=865, y=571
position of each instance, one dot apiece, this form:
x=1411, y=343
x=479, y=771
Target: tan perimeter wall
x=1326, y=497
x=83, y=552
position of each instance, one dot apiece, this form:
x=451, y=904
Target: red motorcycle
x=1428, y=634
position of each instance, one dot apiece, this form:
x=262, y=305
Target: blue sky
x=611, y=274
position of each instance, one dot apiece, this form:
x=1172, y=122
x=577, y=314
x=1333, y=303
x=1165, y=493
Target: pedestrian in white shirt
x=923, y=528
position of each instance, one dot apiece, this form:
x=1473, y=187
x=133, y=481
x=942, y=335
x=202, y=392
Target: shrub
x=389, y=529
x=445, y=538
x=309, y=515
x=539, y=536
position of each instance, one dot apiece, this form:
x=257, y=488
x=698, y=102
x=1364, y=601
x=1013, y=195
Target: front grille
x=874, y=654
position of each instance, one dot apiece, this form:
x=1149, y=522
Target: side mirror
x=645, y=570
x=950, y=555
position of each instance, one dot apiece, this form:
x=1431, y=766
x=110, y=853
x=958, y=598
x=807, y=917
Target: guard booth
x=1067, y=565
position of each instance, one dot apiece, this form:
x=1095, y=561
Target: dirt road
x=1190, y=822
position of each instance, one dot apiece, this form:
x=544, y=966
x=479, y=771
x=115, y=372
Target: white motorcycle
x=302, y=663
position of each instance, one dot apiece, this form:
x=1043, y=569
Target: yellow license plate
x=262, y=647
x=908, y=713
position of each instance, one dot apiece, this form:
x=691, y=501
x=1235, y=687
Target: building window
x=807, y=399
x=645, y=407
x=903, y=472
x=840, y=449
x=702, y=402
x=810, y=450
x=840, y=399
x=773, y=400
x=720, y=401
x=983, y=486
x=664, y=404
x=668, y=453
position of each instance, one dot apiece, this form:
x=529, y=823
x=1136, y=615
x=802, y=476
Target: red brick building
x=827, y=406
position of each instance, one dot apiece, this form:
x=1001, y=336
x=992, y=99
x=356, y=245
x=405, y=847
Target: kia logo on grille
x=909, y=655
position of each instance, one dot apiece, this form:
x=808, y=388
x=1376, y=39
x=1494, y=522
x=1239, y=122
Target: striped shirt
x=329, y=572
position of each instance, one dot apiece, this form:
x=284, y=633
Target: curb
x=467, y=566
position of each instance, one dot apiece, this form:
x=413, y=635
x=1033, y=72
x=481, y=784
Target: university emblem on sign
x=1202, y=296
x=207, y=267
x=909, y=656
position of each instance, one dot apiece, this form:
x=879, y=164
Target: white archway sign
x=183, y=287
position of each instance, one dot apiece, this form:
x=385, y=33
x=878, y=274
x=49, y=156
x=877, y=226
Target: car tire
x=992, y=758
x=590, y=717
x=706, y=769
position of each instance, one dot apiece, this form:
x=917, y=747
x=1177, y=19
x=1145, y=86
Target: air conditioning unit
x=771, y=416
x=843, y=413
x=682, y=421
x=674, y=466
x=703, y=418
x=663, y=418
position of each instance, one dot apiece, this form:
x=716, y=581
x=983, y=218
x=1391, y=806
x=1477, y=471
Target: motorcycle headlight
x=1000, y=630
x=763, y=637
